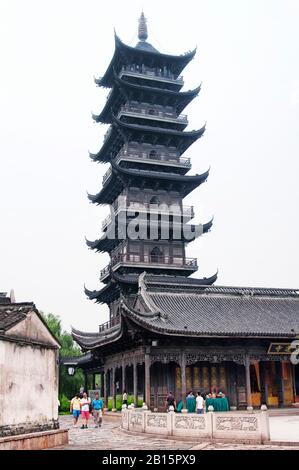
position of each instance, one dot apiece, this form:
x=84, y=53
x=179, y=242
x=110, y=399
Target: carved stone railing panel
x=156, y=420
x=189, y=422
x=233, y=426
x=136, y=421
x=236, y=423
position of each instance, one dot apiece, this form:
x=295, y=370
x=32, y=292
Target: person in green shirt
x=191, y=402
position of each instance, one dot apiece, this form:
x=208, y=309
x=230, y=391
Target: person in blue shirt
x=97, y=410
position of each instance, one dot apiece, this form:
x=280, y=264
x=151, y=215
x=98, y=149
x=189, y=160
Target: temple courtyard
x=111, y=437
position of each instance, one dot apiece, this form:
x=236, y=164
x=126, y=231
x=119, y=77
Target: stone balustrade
x=247, y=426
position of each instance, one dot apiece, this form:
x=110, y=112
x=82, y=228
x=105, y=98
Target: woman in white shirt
x=85, y=403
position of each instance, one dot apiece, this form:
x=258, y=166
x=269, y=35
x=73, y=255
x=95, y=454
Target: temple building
x=169, y=331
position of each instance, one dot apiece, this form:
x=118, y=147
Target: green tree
x=68, y=385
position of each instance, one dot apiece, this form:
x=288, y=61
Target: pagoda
x=168, y=330
x=147, y=181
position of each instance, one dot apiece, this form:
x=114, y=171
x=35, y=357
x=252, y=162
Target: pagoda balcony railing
x=107, y=175
x=163, y=158
x=109, y=324
x=148, y=261
x=105, y=272
x=148, y=73
x=187, y=212
x=151, y=113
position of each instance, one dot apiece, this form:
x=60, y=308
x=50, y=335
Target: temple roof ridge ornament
x=150, y=315
x=142, y=28
x=142, y=290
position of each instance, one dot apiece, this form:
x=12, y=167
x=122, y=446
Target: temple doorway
x=156, y=255
x=163, y=381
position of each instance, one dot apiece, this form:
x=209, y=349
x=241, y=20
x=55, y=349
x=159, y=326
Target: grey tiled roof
x=146, y=46
x=183, y=307
x=11, y=314
x=76, y=360
x=3, y=298
x=89, y=340
x=225, y=314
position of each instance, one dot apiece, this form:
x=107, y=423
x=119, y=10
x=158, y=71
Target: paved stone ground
x=110, y=437
x=284, y=428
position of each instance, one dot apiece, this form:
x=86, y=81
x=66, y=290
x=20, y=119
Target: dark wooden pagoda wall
x=273, y=380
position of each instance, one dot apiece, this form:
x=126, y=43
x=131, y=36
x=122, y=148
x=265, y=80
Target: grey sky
x=248, y=62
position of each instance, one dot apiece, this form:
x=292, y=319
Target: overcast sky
x=248, y=62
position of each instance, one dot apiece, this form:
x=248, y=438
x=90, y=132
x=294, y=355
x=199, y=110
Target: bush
x=119, y=401
x=64, y=404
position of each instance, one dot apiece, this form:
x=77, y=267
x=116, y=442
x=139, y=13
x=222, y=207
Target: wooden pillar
x=183, y=379
x=280, y=384
x=295, y=391
x=135, y=384
x=85, y=381
x=147, y=378
x=105, y=389
x=102, y=384
x=113, y=389
x=248, y=384
x=123, y=376
x=264, y=394
x=94, y=381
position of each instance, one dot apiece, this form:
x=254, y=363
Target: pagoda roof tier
x=179, y=307
x=121, y=177
x=121, y=132
x=106, y=244
x=107, y=294
x=124, y=91
x=103, y=244
x=89, y=341
x=142, y=56
x=118, y=282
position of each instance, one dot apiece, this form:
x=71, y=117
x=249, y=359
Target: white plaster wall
x=28, y=384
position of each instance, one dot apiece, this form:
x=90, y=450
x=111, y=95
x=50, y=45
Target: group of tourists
x=82, y=405
x=193, y=403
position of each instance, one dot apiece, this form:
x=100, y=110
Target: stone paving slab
x=111, y=437
x=284, y=428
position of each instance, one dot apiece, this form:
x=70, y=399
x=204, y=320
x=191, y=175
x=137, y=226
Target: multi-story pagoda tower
x=167, y=330
x=147, y=179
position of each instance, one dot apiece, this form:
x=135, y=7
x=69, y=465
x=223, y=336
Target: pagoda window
x=155, y=200
x=156, y=255
x=177, y=251
x=135, y=249
x=153, y=155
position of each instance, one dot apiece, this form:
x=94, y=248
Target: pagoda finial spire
x=142, y=28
